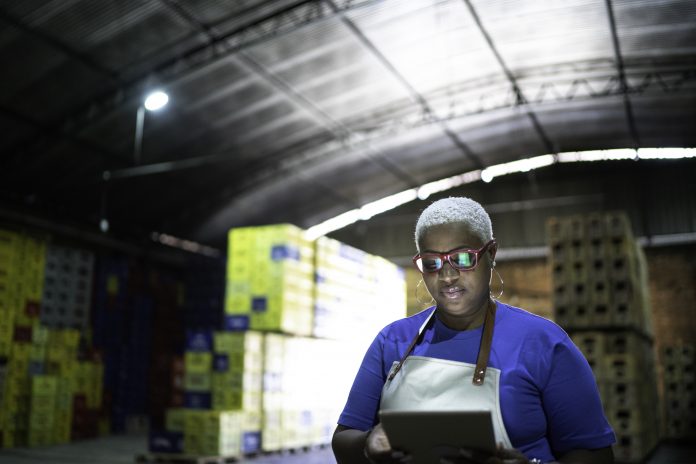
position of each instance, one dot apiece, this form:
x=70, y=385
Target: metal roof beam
x=339, y=130
x=274, y=24
x=415, y=95
x=63, y=47
x=521, y=100
x=628, y=108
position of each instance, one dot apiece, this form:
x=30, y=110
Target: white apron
x=422, y=383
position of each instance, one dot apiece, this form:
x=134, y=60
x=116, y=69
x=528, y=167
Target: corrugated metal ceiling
x=299, y=110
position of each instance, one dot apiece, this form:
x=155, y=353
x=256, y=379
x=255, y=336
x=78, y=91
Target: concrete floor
x=124, y=449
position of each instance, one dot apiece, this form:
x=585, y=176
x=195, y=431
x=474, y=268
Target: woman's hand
x=378, y=449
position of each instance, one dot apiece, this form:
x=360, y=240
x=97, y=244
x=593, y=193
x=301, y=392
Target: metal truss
x=457, y=102
x=473, y=98
x=217, y=46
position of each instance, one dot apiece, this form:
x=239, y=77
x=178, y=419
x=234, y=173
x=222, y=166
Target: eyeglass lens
x=460, y=260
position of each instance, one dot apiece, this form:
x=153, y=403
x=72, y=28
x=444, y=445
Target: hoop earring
x=502, y=284
x=418, y=299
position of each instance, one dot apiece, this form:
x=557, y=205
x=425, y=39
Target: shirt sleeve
x=362, y=406
x=572, y=404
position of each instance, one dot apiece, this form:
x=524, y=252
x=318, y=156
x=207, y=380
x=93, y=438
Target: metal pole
x=138, y=143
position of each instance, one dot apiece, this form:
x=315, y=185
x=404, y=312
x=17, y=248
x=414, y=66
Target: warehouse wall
x=658, y=196
x=673, y=293
x=671, y=273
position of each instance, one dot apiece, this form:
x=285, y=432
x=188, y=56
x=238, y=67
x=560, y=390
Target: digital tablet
x=429, y=436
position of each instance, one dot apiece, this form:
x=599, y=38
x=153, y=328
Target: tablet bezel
x=419, y=432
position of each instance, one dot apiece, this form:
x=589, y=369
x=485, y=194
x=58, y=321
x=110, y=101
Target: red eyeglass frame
x=447, y=257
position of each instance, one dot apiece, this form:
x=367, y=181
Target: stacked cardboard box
x=679, y=363
x=198, y=369
x=601, y=299
x=212, y=433
x=269, y=280
x=237, y=381
x=223, y=374
x=265, y=380
x=305, y=389
x=356, y=293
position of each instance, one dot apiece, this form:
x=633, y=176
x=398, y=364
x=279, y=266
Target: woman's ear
x=493, y=250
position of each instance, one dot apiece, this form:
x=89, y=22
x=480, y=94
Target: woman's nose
x=448, y=273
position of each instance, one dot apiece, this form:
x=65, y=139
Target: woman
x=539, y=388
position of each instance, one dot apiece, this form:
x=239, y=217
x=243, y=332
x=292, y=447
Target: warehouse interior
x=142, y=252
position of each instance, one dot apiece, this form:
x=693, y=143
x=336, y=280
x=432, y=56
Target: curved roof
x=295, y=111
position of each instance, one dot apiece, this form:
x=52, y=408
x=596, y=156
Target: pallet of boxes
x=50, y=385
x=600, y=297
x=275, y=378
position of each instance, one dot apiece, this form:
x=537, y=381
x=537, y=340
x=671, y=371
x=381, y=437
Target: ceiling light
x=156, y=100
x=524, y=165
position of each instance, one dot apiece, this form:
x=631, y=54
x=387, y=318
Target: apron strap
x=410, y=347
x=485, y=347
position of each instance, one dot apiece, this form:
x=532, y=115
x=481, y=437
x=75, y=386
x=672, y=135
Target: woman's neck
x=468, y=322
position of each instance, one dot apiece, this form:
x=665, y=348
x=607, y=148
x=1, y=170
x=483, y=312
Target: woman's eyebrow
x=461, y=247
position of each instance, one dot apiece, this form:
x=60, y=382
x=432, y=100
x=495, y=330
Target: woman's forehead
x=449, y=236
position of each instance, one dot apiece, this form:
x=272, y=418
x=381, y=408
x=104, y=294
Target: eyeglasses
x=461, y=259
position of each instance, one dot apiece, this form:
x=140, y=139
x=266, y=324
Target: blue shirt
x=548, y=395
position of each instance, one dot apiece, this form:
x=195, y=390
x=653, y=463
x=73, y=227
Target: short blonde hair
x=455, y=210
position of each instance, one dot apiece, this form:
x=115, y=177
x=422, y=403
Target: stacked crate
x=22, y=259
x=67, y=292
x=204, y=292
x=269, y=280
x=601, y=299
x=44, y=398
x=679, y=364
x=356, y=293
x=138, y=333
x=16, y=397
x=50, y=396
x=78, y=393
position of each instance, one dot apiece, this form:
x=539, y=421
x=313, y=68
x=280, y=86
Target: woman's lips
x=452, y=292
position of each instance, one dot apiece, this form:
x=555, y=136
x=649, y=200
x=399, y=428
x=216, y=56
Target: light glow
x=524, y=165
x=597, y=155
x=425, y=190
x=156, y=100
x=183, y=244
x=387, y=203
x=666, y=153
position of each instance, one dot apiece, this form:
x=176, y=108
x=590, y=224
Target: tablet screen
x=431, y=435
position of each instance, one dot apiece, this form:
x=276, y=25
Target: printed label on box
x=237, y=322
x=259, y=304
x=282, y=252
